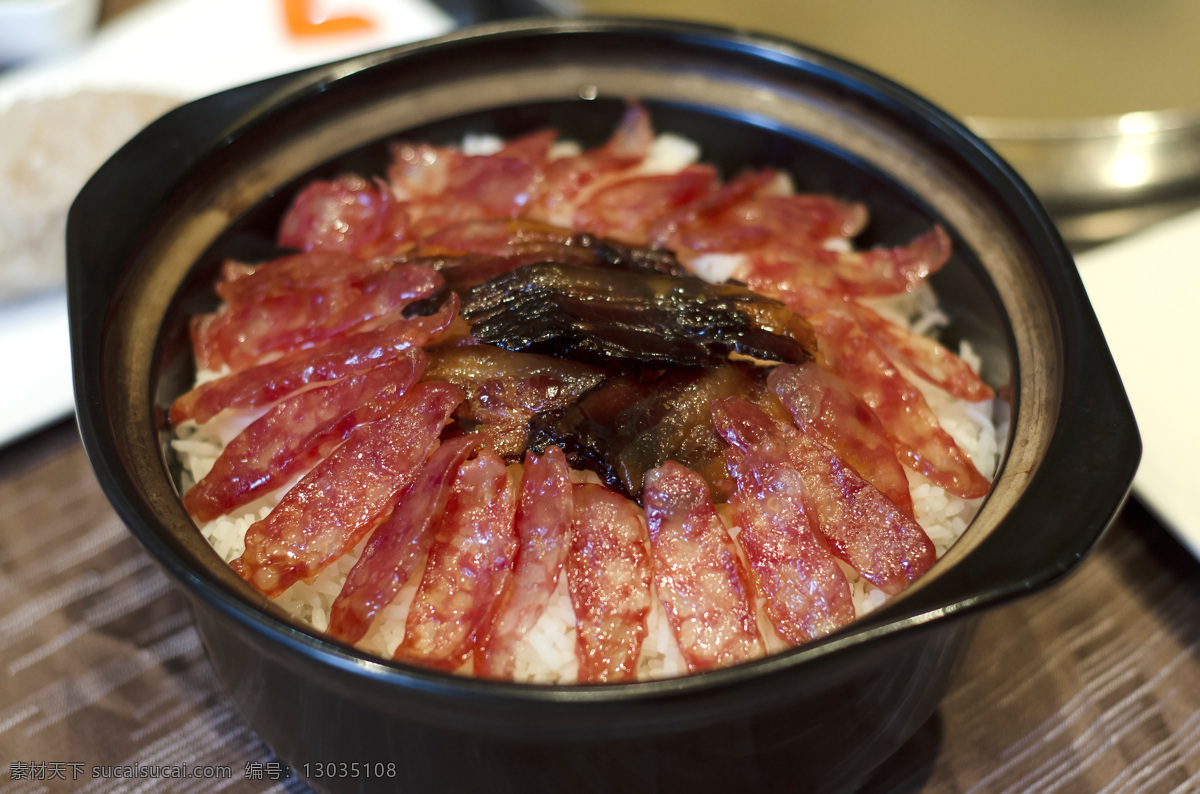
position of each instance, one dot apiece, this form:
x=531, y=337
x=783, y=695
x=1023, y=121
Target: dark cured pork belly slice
x=297, y=433
x=807, y=595
x=878, y=271
x=860, y=525
x=625, y=427
x=698, y=576
x=400, y=541
x=919, y=441
x=470, y=253
x=593, y=431
x=462, y=271
x=244, y=331
x=332, y=359
x=343, y=214
x=347, y=494
x=608, y=573
x=465, y=270
x=505, y=389
x=467, y=567
x=632, y=320
x=596, y=431
x=823, y=406
x=543, y=518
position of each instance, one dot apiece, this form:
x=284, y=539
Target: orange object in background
x=300, y=22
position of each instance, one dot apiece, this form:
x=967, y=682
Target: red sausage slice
x=468, y=565
x=625, y=210
x=339, y=215
x=330, y=360
x=399, y=543
x=543, y=518
x=807, y=595
x=749, y=223
x=297, y=433
x=243, y=332
x=286, y=275
x=347, y=494
x=860, y=525
x=824, y=407
x=878, y=271
x=698, y=575
x=926, y=357
x=920, y=443
x=608, y=572
x=568, y=180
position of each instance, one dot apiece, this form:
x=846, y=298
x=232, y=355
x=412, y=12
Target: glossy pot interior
x=211, y=179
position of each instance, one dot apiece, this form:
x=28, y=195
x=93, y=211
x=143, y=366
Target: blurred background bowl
x=39, y=28
x=1097, y=106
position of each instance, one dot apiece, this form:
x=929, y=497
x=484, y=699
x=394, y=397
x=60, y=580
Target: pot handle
x=1073, y=496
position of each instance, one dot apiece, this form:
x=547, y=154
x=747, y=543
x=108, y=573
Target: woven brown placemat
x=102, y=673
x=1092, y=686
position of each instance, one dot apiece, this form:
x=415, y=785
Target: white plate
x=190, y=48
x=35, y=28
x=1146, y=291
x=186, y=49
x=33, y=342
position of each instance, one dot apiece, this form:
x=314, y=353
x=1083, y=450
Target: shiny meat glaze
x=584, y=338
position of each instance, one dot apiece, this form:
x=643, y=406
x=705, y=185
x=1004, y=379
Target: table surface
x=1091, y=686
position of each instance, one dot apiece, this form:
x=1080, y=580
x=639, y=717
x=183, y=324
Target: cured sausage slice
x=608, y=573
x=877, y=271
x=627, y=209
x=858, y=523
x=297, y=433
x=244, y=331
x=823, y=406
x=399, y=543
x=698, y=576
x=330, y=360
x=347, y=494
x=468, y=564
x=920, y=442
x=338, y=215
x=543, y=518
x=807, y=595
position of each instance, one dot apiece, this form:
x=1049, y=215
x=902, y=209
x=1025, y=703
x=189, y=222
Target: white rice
x=547, y=653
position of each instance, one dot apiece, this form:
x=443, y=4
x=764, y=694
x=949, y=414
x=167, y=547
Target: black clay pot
x=211, y=179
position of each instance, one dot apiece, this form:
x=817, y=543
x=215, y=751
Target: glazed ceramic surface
x=211, y=180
